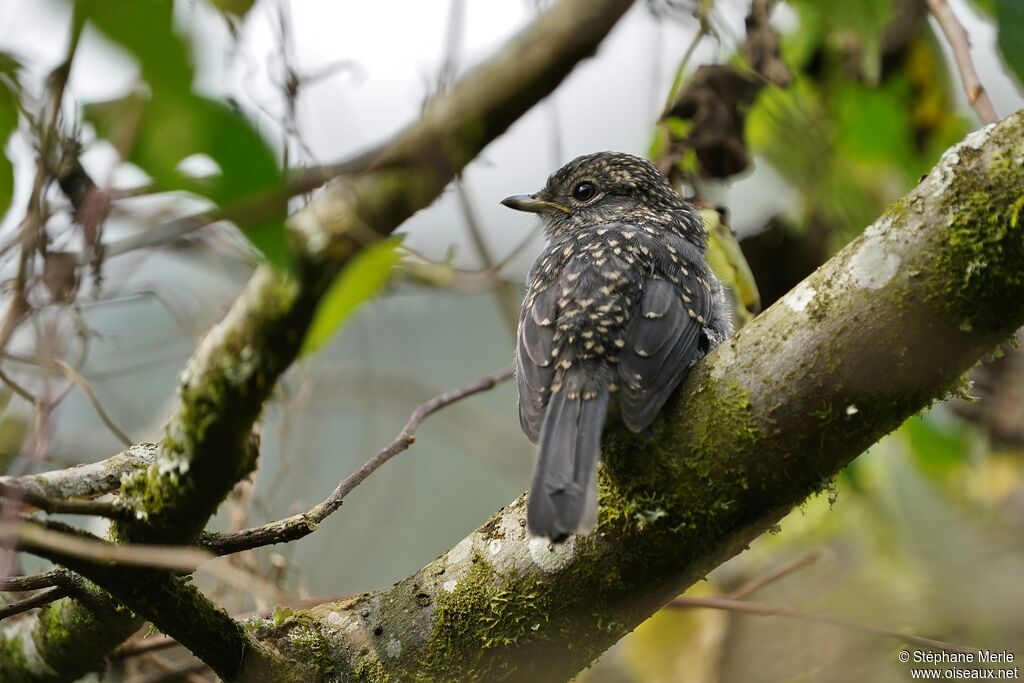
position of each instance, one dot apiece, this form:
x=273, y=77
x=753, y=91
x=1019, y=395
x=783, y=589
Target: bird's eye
x=584, y=192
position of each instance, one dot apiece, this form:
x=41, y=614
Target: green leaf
x=934, y=446
x=10, y=89
x=1010, y=17
x=985, y=6
x=864, y=21
x=730, y=265
x=238, y=8
x=157, y=129
x=367, y=273
x=873, y=124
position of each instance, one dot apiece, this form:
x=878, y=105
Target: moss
x=486, y=610
x=13, y=663
x=298, y=636
x=718, y=431
x=979, y=264
x=371, y=670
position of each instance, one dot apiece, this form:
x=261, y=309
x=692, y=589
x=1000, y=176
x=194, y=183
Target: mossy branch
x=879, y=332
x=208, y=447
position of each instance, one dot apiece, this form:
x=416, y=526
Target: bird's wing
x=663, y=339
x=534, y=362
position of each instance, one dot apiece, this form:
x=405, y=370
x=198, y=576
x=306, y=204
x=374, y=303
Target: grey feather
x=534, y=367
x=662, y=341
x=621, y=299
x=563, y=495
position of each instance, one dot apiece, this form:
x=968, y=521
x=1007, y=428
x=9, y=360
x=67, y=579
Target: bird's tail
x=563, y=496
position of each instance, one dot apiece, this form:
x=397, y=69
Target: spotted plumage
x=620, y=303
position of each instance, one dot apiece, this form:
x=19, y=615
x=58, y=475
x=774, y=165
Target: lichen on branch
x=885, y=328
x=208, y=445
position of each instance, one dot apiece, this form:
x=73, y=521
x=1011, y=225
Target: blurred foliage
x=238, y=8
x=849, y=137
x=13, y=431
x=925, y=534
x=1010, y=19
x=10, y=95
x=362, y=278
x=934, y=550
x=158, y=126
x=839, y=25
x=726, y=259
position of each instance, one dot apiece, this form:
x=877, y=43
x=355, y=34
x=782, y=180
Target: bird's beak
x=532, y=203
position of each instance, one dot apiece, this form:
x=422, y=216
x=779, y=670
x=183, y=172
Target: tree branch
x=33, y=582
x=43, y=597
x=886, y=327
x=55, y=506
x=763, y=609
x=960, y=43
x=87, y=481
x=207, y=447
x=300, y=525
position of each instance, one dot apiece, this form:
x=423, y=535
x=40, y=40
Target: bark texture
x=208, y=445
x=885, y=328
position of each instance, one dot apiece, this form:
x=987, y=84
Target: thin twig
x=441, y=274
x=33, y=582
x=173, y=672
x=17, y=388
x=676, y=87
x=60, y=506
x=41, y=598
x=960, y=43
x=91, y=480
x=766, y=610
x=506, y=294
x=57, y=542
x=302, y=524
x=756, y=584
x=79, y=381
x=140, y=646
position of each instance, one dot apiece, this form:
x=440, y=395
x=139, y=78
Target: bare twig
x=87, y=481
x=56, y=506
x=507, y=295
x=756, y=584
x=766, y=610
x=302, y=524
x=173, y=672
x=17, y=388
x=76, y=378
x=33, y=582
x=140, y=646
x=960, y=43
x=441, y=274
x=35, y=215
x=208, y=435
x=41, y=598
x=57, y=545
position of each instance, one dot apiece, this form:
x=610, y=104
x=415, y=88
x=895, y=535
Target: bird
x=619, y=305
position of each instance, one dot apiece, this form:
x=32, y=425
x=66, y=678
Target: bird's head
x=605, y=187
